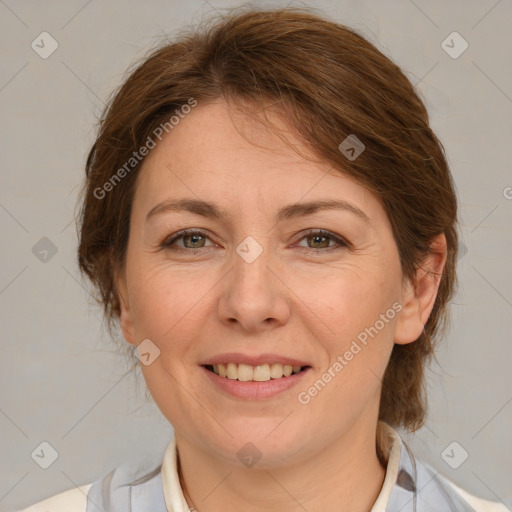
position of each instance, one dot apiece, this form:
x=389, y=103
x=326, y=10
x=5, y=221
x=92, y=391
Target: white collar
x=392, y=448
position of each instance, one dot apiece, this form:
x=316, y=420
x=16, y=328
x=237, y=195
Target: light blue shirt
x=410, y=485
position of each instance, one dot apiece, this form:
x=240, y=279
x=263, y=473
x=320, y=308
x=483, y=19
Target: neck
x=346, y=475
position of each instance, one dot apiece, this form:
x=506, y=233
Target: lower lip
x=255, y=390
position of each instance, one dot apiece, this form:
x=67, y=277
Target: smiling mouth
x=260, y=373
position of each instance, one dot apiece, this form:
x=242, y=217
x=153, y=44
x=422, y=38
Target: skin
x=311, y=306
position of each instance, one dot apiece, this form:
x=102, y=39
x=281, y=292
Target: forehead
x=220, y=152
x=231, y=134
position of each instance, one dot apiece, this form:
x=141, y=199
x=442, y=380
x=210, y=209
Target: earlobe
x=125, y=315
x=419, y=297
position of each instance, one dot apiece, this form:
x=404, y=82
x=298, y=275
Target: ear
x=418, y=297
x=125, y=318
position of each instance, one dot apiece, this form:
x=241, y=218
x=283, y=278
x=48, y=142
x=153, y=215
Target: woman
x=272, y=222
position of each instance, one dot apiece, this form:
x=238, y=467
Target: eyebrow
x=214, y=211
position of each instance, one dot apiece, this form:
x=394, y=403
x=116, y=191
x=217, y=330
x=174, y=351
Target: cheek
x=356, y=336
x=167, y=304
x=346, y=300
x=351, y=316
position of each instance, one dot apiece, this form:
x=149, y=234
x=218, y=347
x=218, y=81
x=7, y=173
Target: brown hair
x=330, y=83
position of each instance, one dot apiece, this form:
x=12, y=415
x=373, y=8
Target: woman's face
x=258, y=281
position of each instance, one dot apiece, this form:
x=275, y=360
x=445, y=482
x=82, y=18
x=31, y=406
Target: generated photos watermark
x=305, y=397
x=138, y=156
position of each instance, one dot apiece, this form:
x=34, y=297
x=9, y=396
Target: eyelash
x=342, y=243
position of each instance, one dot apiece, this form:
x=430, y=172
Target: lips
x=254, y=376
x=253, y=360
x=251, y=389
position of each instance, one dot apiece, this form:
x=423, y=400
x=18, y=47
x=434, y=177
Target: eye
x=193, y=240
x=321, y=239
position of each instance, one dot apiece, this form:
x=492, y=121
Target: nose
x=253, y=295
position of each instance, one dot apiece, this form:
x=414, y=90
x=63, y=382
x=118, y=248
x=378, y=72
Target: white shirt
x=410, y=485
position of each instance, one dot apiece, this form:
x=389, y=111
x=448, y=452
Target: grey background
x=62, y=377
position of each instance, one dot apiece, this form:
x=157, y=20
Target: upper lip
x=233, y=357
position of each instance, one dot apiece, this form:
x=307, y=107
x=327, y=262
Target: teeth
x=245, y=372
x=232, y=371
x=276, y=371
x=260, y=373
